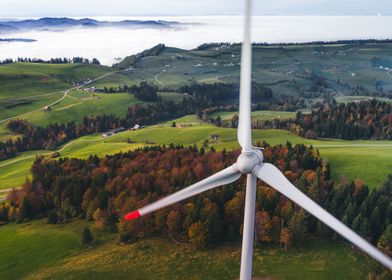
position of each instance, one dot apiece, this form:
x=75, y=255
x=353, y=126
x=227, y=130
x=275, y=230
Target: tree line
x=57, y=60
x=356, y=120
x=55, y=135
x=207, y=46
x=144, y=91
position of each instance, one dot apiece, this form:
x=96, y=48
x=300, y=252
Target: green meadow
x=61, y=256
x=261, y=115
x=351, y=159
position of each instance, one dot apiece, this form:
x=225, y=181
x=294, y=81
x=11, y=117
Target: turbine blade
x=244, y=132
x=223, y=177
x=273, y=177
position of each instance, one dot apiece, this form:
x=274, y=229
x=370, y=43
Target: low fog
x=108, y=43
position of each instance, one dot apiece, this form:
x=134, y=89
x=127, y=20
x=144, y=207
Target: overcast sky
x=34, y=8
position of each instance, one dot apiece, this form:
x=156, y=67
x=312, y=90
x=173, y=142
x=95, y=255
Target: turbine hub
x=248, y=161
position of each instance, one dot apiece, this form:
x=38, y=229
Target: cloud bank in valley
x=108, y=43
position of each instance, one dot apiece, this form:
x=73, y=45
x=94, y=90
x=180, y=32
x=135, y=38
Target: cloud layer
x=28, y=8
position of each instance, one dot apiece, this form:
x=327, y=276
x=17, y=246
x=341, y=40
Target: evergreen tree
x=297, y=226
x=26, y=211
x=87, y=237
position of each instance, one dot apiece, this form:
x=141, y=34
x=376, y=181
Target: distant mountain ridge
x=59, y=24
x=23, y=40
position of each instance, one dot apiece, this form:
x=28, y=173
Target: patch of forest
x=102, y=190
x=356, y=120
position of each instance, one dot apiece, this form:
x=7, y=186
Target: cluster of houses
x=91, y=89
x=118, y=130
x=82, y=83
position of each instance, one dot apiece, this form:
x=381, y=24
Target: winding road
x=57, y=101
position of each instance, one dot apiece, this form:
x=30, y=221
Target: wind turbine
x=250, y=163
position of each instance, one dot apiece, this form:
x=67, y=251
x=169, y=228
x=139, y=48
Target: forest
x=103, y=189
x=356, y=120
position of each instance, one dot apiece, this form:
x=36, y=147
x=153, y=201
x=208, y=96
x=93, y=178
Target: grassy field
x=261, y=115
x=281, y=68
x=61, y=256
x=20, y=80
x=28, y=87
x=352, y=159
x=79, y=104
x=353, y=98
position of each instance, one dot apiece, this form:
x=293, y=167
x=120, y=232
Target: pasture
x=352, y=159
x=61, y=255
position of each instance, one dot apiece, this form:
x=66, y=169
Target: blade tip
x=132, y=215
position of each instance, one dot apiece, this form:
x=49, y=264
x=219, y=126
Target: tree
x=263, y=227
x=174, y=224
x=218, y=121
x=87, y=237
x=285, y=238
x=234, y=121
x=197, y=235
x=52, y=217
x=26, y=211
x=385, y=242
x=298, y=226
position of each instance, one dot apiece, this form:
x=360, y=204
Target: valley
x=287, y=78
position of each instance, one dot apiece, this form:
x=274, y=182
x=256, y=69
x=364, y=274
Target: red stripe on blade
x=131, y=216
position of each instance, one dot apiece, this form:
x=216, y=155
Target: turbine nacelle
x=249, y=161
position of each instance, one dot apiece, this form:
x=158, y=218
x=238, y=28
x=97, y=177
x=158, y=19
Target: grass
x=352, y=159
x=79, y=104
x=260, y=115
x=61, y=256
x=354, y=98
x=28, y=247
x=29, y=79
x=277, y=67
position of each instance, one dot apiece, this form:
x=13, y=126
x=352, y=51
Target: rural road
x=57, y=101
x=159, y=74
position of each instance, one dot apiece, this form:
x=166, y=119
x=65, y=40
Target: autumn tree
x=285, y=238
x=197, y=235
x=174, y=224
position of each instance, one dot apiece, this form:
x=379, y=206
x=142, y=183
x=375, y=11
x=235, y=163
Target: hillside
x=366, y=153
x=61, y=255
x=341, y=69
x=97, y=192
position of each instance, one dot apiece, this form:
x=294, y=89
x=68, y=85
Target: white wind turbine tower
x=250, y=162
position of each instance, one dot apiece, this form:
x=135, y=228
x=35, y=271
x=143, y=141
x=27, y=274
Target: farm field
x=352, y=159
x=62, y=256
